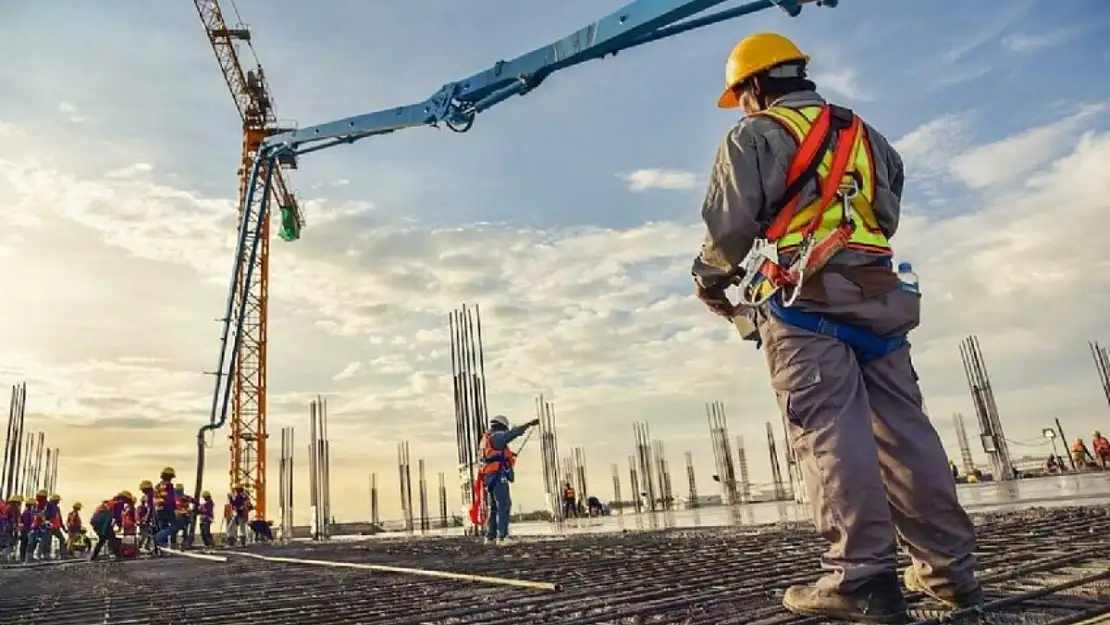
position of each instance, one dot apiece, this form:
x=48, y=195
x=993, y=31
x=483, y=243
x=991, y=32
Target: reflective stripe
x=494, y=460
x=867, y=237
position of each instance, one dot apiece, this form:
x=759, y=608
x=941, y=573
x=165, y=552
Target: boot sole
x=855, y=617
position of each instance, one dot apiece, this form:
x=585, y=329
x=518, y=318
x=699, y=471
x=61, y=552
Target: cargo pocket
x=795, y=386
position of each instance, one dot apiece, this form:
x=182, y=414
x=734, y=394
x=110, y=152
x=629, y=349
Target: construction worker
x=40, y=526
x=26, y=521
x=74, y=526
x=497, y=473
x=9, y=528
x=801, y=204
x=146, y=515
x=239, y=508
x=1101, y=447
x=1081, y=455
x=184, y=509
x=570, y=501
x=165, y=508
x=53, y=529
x=207, y=513
x=105, y=519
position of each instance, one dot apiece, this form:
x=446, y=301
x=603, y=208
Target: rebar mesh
x=1038, y=567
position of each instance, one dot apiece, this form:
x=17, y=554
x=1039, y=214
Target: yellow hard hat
x=179, y=488
x=754, y=54
x=236, y=486
x=77, y=506
x=55, y=498
x=42, y=493
x=145, y=484
x=126, y=494
x=15, y=499
x=169, y=471
x=1097, y=433
x=206, y=494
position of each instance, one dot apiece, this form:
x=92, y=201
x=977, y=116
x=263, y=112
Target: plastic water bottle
x=908, y=278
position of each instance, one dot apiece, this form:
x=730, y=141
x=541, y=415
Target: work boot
x=505, y=542
x=957, y=600
x=878, y=600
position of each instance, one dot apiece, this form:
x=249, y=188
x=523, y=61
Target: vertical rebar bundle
x=795, y=477
x=404, y=469
x=442, y=501
x=634, y=480
x=375, y=510
x=692, y=502
x=965, y=446
x=319, y=474
x=776, y=470
x=285, y=484
x=644, y=463
x=549, y=457
x=722, y=453
x=36, y=445
x=50, y=474
x=745, y=479
x=13, y=442
x=663, y=474
x=579, y=456
x=991, y=434
x=422, y=483
x=1102, y=365
x=468, y=371
x=618, y=502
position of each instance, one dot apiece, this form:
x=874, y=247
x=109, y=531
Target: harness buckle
x=750, y=275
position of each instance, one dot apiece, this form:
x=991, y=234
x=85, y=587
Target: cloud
x=350, y=371
x=1012, y=158
x=929, y=149
x=1025, y=42
x=844, y=82
x=71, y=113
x=670, y=179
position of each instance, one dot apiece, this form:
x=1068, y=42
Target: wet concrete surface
x=1039, y=567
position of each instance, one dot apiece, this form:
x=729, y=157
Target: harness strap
x=867, y=345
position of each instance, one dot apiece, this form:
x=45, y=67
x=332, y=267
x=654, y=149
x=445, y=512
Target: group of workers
x=158, y=517
x=1085, y=460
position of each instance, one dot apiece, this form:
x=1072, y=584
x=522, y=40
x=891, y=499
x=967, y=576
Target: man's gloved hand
x=713, y=296
x=533, y=423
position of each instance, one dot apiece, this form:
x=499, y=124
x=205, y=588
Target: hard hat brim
x=728, y=100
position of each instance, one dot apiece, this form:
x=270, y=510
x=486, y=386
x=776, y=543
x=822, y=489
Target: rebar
x=776, y=469
x=1038, y=567
x=443, y=520
x=404, y=470
x=692, y=501
x=745, y=478
x=375, y=511
x=722, y=454
x=549, y=458
x=285, y=484
x=965, y=446
x=422, y=484
x=13, y=442
x=982, y=395
x=319, y=473
x=634, y=482
x=468, y=374
x=1102, y=366
x=618, y=502
x=645, y=466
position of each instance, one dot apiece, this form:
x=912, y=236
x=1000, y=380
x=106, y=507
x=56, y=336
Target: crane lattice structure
x=250, y=283
x=456, y=105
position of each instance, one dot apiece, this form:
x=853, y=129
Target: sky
x=569, y=215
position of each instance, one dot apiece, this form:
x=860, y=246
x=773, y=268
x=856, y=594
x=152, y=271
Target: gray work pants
x=873, y=465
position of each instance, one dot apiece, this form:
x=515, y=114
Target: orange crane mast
x=248, y=431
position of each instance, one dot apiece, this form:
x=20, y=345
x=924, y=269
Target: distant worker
x=165, y=508
x=498, y=472
x=206, y=513
x=1101, y=446
x=40, y=527
x=145, y=513
x=570, y=501
x=182, y=514
x=594, y=507
x=74, y=526
x=105, y=519
x=804, y=197
x=9, y=528
x=238, y=510
x=263, y=530
x=1081, y=455
x=54, y=528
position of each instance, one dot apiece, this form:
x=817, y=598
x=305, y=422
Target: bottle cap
x=905, y=268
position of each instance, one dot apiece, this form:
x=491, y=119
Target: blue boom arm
x=455, y=105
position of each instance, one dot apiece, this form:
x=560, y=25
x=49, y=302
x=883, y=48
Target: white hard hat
x=501, y=420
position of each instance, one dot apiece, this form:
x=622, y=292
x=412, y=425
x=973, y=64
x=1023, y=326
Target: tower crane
x=246, y=375
x=456, y=105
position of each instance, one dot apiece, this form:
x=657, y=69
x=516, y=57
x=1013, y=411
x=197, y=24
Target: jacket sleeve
x=501, y=440
x=745, y=173
x=890, y=178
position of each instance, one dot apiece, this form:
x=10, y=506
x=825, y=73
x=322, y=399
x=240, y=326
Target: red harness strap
x=802, y=166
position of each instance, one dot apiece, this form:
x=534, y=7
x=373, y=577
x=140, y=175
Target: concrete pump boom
x=455, y=105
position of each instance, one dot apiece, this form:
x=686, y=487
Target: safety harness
x=761, y=277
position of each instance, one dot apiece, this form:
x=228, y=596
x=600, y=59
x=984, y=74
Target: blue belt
x=867, y=345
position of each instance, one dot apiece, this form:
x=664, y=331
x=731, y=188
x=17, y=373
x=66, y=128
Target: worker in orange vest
x=1101, y=447
x=801, y=204
x=570, y=501
x=498, y=472
x=1081, y=455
